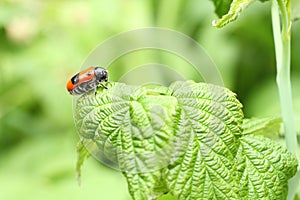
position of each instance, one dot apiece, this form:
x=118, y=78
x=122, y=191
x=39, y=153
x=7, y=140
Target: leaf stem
x=282, y=40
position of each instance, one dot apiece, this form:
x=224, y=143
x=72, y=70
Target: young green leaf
x=268, y=127
x=263, y=168
x=236, y=7
x=133, y=127
x=205, y=131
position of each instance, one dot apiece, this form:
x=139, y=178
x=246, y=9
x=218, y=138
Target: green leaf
x=131, y=126
x=221, y=6
x=147, y=185
x=268, y=127
x=82, y=154
x=188, y=141
x=263, y=168
x=167, y=197
x=209, y=120
x=236, y=7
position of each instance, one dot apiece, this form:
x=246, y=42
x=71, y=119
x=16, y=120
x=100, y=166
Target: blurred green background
x=44, y=43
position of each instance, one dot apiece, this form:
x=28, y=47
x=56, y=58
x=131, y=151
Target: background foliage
x=43, y=43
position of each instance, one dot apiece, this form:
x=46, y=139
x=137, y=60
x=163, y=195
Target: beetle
x=87, y=80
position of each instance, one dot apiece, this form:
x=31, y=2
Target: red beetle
x=87, y=80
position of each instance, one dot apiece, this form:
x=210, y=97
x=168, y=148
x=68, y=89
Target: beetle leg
x=95, y=90
x=86, y=91
x=84, y=95
x=109, y=82
x=103, y=85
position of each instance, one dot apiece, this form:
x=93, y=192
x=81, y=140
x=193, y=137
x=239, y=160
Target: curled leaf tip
x=236, y=8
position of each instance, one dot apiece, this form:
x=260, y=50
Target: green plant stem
x=282, y=40
x=283, y=53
